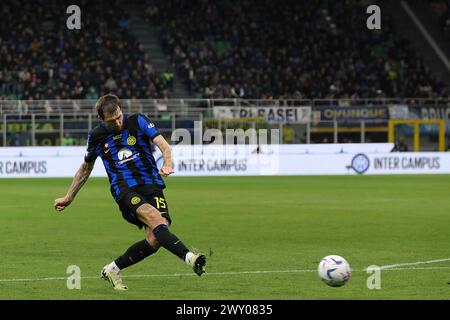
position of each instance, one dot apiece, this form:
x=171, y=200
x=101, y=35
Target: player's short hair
x=107, y=104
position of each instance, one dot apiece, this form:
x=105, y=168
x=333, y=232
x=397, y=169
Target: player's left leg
x=137, y=252
x=134, y=254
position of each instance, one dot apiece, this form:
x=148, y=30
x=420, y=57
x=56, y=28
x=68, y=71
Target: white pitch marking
x=413, y=263
x=393, y=267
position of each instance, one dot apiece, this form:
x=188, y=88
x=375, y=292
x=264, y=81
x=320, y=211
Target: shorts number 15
x=160, y=203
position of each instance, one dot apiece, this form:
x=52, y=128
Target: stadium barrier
x=238, y=160
x=67, y=122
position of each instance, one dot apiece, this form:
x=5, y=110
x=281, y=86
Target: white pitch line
x=413, y=263
x=217, y=273
x=230, y=273
x=416, y=268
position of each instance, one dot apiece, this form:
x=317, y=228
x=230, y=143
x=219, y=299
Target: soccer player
x=124, y=144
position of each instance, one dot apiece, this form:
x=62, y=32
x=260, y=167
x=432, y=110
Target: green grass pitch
x=263, y=237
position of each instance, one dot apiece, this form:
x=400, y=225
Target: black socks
x=142, y=249
x=170, y=241
x=137, y=252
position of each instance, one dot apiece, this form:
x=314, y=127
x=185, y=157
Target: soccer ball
x=334, y=270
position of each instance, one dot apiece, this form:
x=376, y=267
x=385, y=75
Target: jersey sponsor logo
x=150, y=125
x=135, y=200
x=131, y=140
x=125, y=155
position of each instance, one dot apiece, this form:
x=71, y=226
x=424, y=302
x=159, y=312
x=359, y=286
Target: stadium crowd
x=221, y=48
x=40, y=58
x=302, y=49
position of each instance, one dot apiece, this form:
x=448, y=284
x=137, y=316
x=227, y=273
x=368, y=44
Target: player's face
x=114, y=121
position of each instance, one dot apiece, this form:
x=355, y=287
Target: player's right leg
x=195, y=260
x=158, y=225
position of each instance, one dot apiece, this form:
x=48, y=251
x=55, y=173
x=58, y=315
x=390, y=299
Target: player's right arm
x=78, y=181
x=82, y=174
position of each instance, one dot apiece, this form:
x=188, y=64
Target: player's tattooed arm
x=78, y=181
x=166, y=151
x=80, y=178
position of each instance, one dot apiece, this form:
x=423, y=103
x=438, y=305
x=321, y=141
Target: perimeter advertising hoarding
x=272, y=114
x=351, y=116
x=238, y=160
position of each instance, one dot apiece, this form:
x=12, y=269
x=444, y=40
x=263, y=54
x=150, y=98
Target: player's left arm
x=150, y=131
x=166, y=151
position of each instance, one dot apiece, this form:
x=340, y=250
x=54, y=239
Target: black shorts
x=137, y=196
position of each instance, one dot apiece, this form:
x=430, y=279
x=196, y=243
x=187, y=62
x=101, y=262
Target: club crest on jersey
x=131, y=141
x=135, y=200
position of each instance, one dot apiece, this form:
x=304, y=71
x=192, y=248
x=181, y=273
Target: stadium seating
x=303, y=49
x=41, y=59
x=221, y=48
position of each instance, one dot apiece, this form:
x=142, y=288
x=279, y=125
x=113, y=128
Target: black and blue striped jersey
x=126, y=155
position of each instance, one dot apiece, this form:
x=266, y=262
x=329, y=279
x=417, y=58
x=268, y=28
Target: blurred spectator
x=91, y=94
x=168, y=78
x=400, y=146
x=14, y=140
x=288, y=134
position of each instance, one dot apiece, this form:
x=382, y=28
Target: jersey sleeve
x=147, y=126
x=91, y=152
